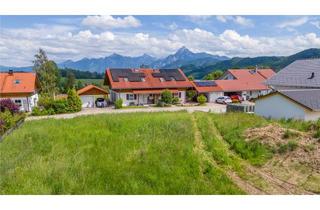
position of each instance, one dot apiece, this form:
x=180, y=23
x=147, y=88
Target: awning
x=153, y=91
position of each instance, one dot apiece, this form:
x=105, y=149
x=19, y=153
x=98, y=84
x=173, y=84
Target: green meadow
x=135, y=153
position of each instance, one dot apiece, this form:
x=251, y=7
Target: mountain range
x=195, y=64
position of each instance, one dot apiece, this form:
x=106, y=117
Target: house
x=248, y=83
x=209, y=88
x=144, y=86
x=296, y=92
x=302, y=104
x=90, y=94
x=20, y=87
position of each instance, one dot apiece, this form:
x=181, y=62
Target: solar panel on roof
x=126, y=73
x=205, y=83
x=169, y=74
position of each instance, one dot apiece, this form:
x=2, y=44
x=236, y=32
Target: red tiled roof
x=246, y=79
x=238, y=85
x=17, y=82
x=149, y=83
x=90, y=87
x=247, y=75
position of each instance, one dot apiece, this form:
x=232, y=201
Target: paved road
x=210, y=107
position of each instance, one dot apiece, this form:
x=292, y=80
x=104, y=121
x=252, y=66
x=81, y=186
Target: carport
x=89, y=95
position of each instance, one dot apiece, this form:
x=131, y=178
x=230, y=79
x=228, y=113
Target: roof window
x=17, y=81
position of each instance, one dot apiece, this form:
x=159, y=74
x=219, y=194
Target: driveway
x=209, y=107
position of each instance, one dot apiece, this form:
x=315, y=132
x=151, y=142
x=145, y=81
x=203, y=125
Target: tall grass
x=232, y=126
x=138, y=153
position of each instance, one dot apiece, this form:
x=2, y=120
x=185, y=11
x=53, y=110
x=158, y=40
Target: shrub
x=288, y=134
x=60, y=106
x=175, y=100
x=7, y=120
x=201, y=99
x=118, y=103
x=166, y=97
x=74, y=101
x=191, y=94
x=317, y=134
x=7, y=104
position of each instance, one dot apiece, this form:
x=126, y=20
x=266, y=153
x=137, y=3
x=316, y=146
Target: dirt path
x=199, y=149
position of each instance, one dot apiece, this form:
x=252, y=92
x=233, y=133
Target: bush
x=118, y=103
x=48, y=106
x=8, y=120
x=74, y=101
x=175, y=100
x=7, y=104
x=290, y=146
x=166, y=97
x=201, y=99
x=288, y=134
x=191, y=94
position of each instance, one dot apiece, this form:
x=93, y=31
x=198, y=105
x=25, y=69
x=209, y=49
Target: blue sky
x=75, y=37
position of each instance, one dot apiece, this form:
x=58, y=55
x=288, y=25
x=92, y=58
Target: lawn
x=159, y=153
x=139, y=153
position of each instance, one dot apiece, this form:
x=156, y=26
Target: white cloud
x=17, y=46
x=236, y=19
x=108, y=22
x=293, y=23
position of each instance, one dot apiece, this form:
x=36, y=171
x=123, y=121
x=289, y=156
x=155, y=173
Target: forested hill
x=274, y=62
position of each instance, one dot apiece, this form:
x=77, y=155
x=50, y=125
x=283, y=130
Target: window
x=131, y=97
x=180, y=95
x=18, y=102
x=17, y=81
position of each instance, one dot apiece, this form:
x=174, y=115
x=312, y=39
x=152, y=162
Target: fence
x=17, y=125
x=248, y=108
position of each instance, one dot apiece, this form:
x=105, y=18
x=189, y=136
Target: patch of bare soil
x=297, y=166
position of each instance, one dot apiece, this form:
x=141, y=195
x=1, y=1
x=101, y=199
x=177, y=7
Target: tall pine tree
x=47, y=73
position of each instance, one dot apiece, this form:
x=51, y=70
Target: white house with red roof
x=20, y=87
x=144, y=86
x=248, y=83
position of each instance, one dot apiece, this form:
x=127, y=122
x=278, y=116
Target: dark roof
x=300, y=73
x=309, y=98
x=126, y=73
x=205, y=83
x=169, y=74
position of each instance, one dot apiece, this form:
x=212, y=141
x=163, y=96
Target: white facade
x=212, y=96
x=277, y=106
x=26, y=103
x=128, y=98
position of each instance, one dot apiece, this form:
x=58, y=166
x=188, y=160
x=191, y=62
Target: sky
x=76, y=37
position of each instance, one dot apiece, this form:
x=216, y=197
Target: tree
x=191, y=94
x=166, y=97
x=213, y=75
x=190, y=77
x=79, y=85
x=74, y=101
x=201, y=99
x=71, y=80
x=47, y=73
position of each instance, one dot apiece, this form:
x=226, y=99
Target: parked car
x=101, y=102
x=223, y=100
x=236, y=99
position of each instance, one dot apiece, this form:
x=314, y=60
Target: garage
x=90, y=94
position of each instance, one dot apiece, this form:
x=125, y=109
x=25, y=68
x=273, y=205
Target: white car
x=223, y=100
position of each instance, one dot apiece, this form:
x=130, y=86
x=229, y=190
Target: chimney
x=256, y=70
x=10, y=72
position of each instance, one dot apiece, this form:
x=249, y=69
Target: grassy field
x=145, y=153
